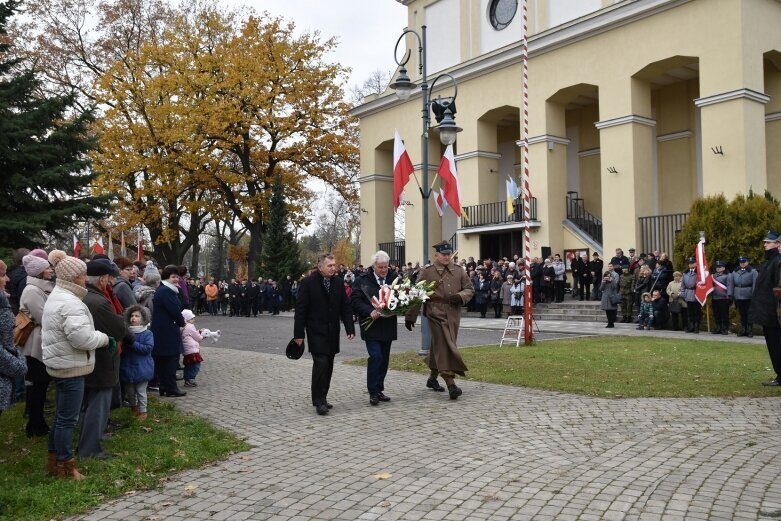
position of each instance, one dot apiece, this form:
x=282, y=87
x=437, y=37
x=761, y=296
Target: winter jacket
x=106, y=373
x=212, y=291
x=743, y=282
x=33, y=299
x=68, y=333
x=191, y=339
x=763, y=303
x=17, y=281
x=136, y=364
x=167, y=322
x=608, y=286
x=506, y=293
x=517, y=293
x=12, y=362
x=560, y=269
x=124, y=292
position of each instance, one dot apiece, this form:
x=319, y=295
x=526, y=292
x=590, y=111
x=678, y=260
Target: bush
x=731, y=228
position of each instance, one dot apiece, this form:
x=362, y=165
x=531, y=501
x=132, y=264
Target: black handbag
x=293, y=350
x=614, y=298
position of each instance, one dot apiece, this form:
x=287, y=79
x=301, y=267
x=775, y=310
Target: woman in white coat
x=69, y=340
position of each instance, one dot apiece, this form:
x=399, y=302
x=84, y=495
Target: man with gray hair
x=382, y=332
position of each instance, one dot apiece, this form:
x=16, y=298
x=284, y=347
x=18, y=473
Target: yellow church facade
x=636, y=108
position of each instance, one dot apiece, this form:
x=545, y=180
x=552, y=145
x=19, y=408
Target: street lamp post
x=444, y=113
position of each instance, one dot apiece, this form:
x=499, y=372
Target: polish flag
x=76, y=246
x=99, y=245
x=402, y=169
x=440, y=202
x=450, y=183
x=704, y=280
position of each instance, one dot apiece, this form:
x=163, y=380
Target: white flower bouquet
x=400, y=296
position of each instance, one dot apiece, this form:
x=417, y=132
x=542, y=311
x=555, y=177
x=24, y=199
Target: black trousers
x=773, y=342
x=683, y=316
x=558, y=289
x=322, y=369
x=743, y=306
x=611, y=316
x=165, y=368
x=721, y=313
x=695, y=312
x=585, y=287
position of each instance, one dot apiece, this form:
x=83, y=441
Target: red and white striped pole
x=528, y=333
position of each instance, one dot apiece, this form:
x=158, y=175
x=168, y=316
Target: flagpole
x=528, y=333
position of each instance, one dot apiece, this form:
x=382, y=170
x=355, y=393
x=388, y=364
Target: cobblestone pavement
x=496, y=453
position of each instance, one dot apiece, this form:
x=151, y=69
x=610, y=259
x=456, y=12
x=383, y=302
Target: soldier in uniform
x=626, y=286
x=743, y=281
x=693, y=306
x=443, y=311
x=722, y=294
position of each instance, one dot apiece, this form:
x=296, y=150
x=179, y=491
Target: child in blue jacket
x=136, y=366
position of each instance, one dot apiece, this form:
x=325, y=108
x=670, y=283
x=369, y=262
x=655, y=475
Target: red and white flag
x=76, y=246
x=704, y=280
x=402, y=169
x=110, y=247
x=140, y=246
x=450, y=183
x=440, y=202
x=98, y=248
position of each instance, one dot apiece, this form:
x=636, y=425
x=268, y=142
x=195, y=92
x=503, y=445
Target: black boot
x=696, y=328
x=434, y=384
x=750, y=331
x=454, y=391
x=742, y=331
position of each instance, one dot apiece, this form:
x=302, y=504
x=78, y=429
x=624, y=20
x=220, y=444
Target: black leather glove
x=455, y=300
x=409, y=324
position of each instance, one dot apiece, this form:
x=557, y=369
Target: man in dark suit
x=321, y=304
x=382, y=332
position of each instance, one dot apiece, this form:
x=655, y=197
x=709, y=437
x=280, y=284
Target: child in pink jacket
x=191, y=338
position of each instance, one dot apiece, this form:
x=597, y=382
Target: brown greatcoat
x=444, y=318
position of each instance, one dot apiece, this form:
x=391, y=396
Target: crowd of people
x=103, y=333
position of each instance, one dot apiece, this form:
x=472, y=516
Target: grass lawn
x=619, y=367
x=144, y=455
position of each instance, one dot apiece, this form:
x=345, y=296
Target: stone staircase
x=569, y=310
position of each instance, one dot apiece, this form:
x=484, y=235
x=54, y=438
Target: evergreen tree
x=280, y=256
x=43, y=146
x=732, y=228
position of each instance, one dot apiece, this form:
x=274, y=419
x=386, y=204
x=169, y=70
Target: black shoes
x=454, y=391
x=382, y=397
x=772, y=383
x=322, y=409
x=374, y=399
x=433, y=384
x=174, y=394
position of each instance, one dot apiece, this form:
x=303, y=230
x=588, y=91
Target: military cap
x=742, y=258
x=293, y=350
x=443, y=247
x=691, y=260
x=631, y=249
x=771, y=236
x=721, y=264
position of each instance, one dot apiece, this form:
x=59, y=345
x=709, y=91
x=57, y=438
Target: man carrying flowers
x=380, y=331
x=443, y=311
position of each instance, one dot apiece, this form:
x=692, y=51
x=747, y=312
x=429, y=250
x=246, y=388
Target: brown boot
x=51, y=464
x=134, y=410
x=67, y=469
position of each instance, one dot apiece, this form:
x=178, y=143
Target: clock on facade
x=501, y=13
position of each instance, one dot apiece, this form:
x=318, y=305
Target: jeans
x=70, y=392
x=95, y=420
x=191, y=371
x=211, y=305
x=377, y=368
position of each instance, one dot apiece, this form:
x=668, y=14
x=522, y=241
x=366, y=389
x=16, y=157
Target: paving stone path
x=496, y=453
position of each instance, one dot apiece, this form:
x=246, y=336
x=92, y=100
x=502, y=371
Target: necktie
x=382, y=281
x=327, y=284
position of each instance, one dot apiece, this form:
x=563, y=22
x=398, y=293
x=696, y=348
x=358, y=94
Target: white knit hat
x=66, y=267
x=187, y=314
